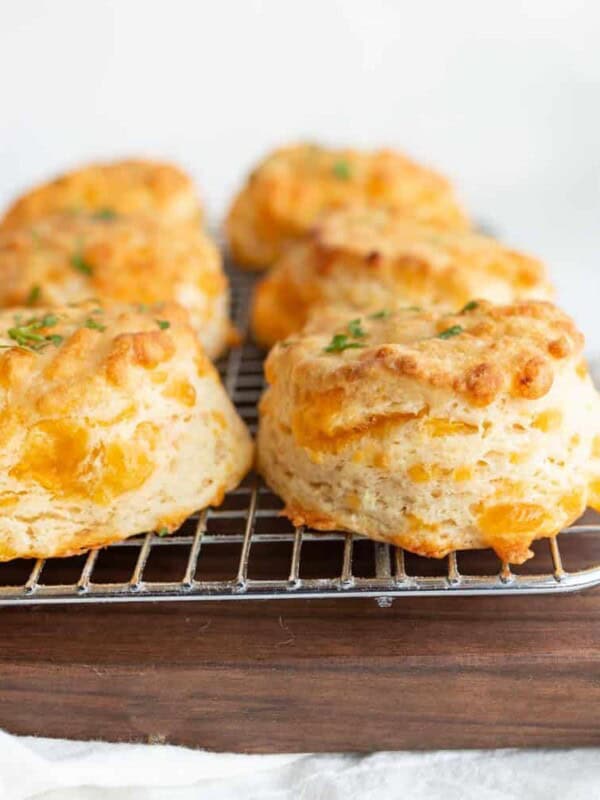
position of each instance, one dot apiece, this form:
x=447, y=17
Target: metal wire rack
x=245, y=549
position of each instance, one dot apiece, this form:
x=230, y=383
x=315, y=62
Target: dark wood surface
x=308, y=675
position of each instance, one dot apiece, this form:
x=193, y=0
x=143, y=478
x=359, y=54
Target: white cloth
x=53, y=769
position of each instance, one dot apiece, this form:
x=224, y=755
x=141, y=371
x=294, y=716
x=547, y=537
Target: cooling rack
x=245, y=549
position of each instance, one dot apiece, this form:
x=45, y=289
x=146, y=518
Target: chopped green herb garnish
x=79, y=263
x=105, y=213
x=34, y=295
x=341, y=170
x=339, y=343
x=94, y=324
x=383, y=314
x=469, y=307
x=163, y=324
x=25, y=337
x=450, y=332
x=27, y=334
x=162, y=532
x=356, y=329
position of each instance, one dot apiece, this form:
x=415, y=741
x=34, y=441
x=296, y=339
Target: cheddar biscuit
x=113, y=422
x=287, y=192
x=432, y=431
x=594, y=498
x=66, y=258
x=121, y=187
x=373, y=258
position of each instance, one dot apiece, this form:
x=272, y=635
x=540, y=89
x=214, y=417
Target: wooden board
x=308, y=675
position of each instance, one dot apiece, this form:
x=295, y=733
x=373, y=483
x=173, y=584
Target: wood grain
x=308, y=675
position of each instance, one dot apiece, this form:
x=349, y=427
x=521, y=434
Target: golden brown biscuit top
x=481, y=352
x=88, y=394
x=69, y=257
x=124, y=187
x=390, y=245
x=58, y=361
x=296, y=183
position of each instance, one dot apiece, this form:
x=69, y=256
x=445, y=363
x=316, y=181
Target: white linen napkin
x=53, y=769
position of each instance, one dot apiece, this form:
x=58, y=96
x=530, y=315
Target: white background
x=503, y=96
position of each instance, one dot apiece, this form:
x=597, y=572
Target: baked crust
x=511, y=350
x=374, y=258
x=292, y=186
x=112, y=421
x=124, y=187
x=432, y=431
x=67, y=257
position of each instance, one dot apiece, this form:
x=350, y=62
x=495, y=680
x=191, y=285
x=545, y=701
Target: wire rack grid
x=245, y=549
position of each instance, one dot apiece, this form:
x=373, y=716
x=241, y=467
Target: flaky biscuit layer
x=112, y=422
x=431, y=431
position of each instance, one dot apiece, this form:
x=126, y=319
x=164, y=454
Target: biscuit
x=66, y=258
x=432, y=431
x=372, y=259
x=113, y=422
x=287, y=192
x=594, y=498
x=121, y=187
